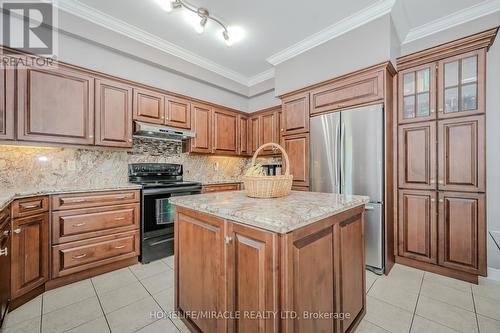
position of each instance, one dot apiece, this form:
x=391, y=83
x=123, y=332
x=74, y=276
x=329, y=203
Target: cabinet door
x=252, y=278
x=297, y=148
x=417, y=94
x=201, y=122
x=352, y=269
x=30, y=248
x=149, y=106
x=417, y=155
x=462, y=160
x=200, y=267
x=178, y=112
x=7, y=101
x=417, y=225
x=225, y=132
x=113, y=114
x=462, y=232
x=462, y=84
x=295, y=114
x=5, y=263
x=55, y=105
x=254, y=134
x=243, y=137
x=268, y=131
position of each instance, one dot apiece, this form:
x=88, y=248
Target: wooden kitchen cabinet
x=201, y=122
x=417, y=225
x=417, y=155
x=5, y=262
x=462, y=154
x=225, y=132
x=211, y=188
x=149, y=106
x=462, y=232
x=243, y=142
x=113, y=114
x=7, y=103
x=268, y=131
x=295, y=114
x=177, y=112
x=462, y=85
x=254, y=134
x=55, y=105
x=30, y=253
x=297, y=148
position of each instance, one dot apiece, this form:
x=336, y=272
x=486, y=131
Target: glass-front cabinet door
x=461, y=85
x=417, y=94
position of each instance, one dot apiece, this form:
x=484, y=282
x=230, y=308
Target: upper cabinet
x=149, y=106
x=254, y=134
x=201, y=123
x=243, y=135
x=225, y=132
x=417, y=94
x=295, y=117
x=269, y=128
x=55, y=105
x=461, y=84
x=7, y=103
x=178, y=112
x=113, y=114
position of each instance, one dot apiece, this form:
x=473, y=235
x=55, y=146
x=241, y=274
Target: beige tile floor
x=408, y=300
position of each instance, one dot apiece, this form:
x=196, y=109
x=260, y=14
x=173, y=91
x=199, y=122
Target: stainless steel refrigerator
x=347, y=156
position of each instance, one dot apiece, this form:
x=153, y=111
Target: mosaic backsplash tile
x=46, y=168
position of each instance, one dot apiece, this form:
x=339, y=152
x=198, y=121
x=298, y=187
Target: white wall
x=263, y=101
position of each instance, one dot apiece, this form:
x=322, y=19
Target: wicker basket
x=269, y=186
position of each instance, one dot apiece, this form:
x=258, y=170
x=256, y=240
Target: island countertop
x=280, y=215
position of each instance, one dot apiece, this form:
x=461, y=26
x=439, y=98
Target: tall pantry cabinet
x=442, y=158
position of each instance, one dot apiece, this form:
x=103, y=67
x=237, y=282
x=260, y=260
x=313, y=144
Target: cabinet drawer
x=221, y=188
x=78, y=224
x=82, y=255
x=29, y=206
x=348, y=92
x=94, y=199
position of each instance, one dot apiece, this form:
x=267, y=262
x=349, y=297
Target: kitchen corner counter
x=280, y=215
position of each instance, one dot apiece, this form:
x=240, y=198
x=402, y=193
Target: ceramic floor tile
x=28, y=326
x=98, y=325
x=487, y=307
x=487, y=325
x=446, y=314
x=180, y=325
x=407, y=279
x=113, y=280
x=166, y=300
x=383, y=290
x=143, y=271
x=159, y=282
x=487, y=288
x=370, y=280
x=71, y=316
x=30, y=310
x=134, y=316
x=169, y=261
x=67, y=295
x=115, y=299
x=387, y=316
x=160, y=326
x=452, y=296
x=422, y=325
x=366, y=327
x=447, y=281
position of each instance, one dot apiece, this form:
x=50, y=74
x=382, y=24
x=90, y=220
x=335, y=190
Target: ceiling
x=272, y=27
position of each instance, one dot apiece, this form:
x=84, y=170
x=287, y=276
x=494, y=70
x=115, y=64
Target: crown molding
x=462, y=16
x=261, y=77
x=352, y=22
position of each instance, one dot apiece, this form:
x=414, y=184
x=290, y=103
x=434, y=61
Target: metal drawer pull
x=79, y=225
x=120, y=247
x=6, y=233
x=31, y=206
x=79, y=200
x=17, y=231
x=228, y=239
x=119, y=218
x=369, y=208
x=4, y=252
x=121, y=197
x=81, y=256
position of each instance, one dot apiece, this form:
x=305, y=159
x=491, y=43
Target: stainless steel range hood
x=160, y=132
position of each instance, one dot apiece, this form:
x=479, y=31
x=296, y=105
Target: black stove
x=160, y=182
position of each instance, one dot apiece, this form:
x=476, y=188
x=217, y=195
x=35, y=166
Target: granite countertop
x=7, y=197
x=281, y=215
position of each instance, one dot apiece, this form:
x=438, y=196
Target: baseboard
x=493, y=274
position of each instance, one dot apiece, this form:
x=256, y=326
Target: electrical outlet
x=216, y=166
x=71, y=166
x=496, y=237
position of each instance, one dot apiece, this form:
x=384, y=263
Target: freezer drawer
x=374, y=235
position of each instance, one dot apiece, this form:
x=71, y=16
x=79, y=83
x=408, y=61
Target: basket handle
x=272, y=144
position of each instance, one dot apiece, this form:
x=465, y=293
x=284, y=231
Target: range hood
x=159, y=132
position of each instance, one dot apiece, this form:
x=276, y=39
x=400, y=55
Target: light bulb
x=227, y=40
x=201, y=27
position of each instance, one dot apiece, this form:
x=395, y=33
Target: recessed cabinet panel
x=201, y=121
x=417, y=225
x=297, y=147
x=254, y=134
x=55, y=105
x=7, y=101
x=225, y=132
x=149, y=106
x=295, y=114
x=243, y=135
x=462, y=232
x=268, y=131
x=462, y=154
x=417, y=156
x=178, y=112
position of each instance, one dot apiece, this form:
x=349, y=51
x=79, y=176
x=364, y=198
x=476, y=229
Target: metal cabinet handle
x=119, y=247
x=121, y=197
x=6, y=233
x=31, y=206
x=78, y=225
x=119, y=218
x=369, y=207
x=81, y=256
x=17, y=231
x=228, y=239
x=79, y=200
x=433, y=181
x=441, y=182
x=4, y=252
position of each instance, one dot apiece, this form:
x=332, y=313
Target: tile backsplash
x=23, y=167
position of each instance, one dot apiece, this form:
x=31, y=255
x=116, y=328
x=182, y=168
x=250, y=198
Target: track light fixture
x=203, y=13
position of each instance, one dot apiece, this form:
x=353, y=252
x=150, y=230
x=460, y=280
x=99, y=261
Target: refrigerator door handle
x=342, y=151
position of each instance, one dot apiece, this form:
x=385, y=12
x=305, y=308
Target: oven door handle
x=185, y=189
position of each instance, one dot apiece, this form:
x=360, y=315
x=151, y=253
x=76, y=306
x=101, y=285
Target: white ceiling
x=274, y=28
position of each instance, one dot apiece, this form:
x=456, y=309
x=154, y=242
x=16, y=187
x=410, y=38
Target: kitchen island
x=292, y=264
